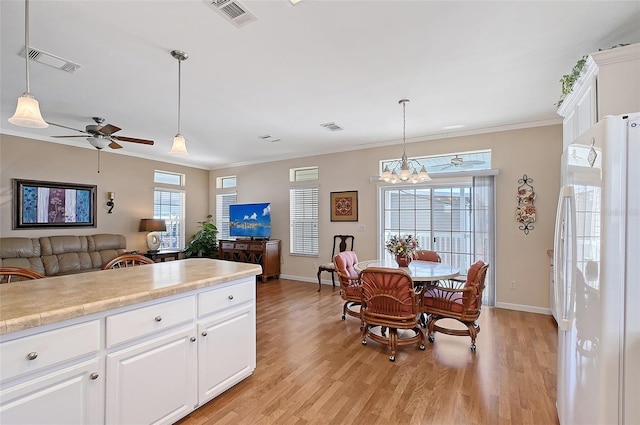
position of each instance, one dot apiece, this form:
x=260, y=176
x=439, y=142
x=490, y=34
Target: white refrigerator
x=597, y=276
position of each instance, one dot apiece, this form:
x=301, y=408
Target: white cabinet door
x=74, y=395
x=153, y=382
x=226, y=350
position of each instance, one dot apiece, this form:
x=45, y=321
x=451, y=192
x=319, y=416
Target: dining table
x=419, y=270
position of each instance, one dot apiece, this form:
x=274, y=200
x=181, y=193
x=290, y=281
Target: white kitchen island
x=139, y=345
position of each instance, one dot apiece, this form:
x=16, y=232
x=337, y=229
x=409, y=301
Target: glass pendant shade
x=179, y=146
x=28, y=113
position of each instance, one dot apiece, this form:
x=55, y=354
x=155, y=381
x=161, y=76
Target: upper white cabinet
x=608, y=85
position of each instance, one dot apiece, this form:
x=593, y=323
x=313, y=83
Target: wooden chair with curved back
x=349, y=282
x=15, y=274
x=427, y=255
x=127, y=260
x=341, y=243
x=461, y=301
x=389, y=301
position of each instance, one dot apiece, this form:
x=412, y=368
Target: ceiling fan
x=458, y=161
x=100, y=136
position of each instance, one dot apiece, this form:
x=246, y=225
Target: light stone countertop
x=28, y=304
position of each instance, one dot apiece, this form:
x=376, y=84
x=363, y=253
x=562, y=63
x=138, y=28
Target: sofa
x=58, y=255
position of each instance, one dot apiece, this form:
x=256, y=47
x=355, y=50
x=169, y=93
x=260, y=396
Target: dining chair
x=341, y=243
x=461, y=301
x=349, y=283
x=15, y=274
x=427, y=255
x=127, y=260
x=390, y=302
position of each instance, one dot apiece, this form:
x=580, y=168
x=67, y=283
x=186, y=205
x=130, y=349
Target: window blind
x=303, y=220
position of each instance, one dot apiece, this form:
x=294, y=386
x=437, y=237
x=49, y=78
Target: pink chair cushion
x=435, y=298
x=345, y=265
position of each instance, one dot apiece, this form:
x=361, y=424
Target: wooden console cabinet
x=266, y=253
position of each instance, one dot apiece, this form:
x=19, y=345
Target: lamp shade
x=28, y=113
x=152, y=225
x=179, y=146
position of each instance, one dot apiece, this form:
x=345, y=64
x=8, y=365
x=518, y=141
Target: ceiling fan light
x=98, y=142
x=28, y=113
x=179, y=146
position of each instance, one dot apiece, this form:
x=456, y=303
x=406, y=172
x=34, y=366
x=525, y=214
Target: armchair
x=349, y=282
x=13, y=274
x=461, y=301
x=389, y=300
x=127, y=260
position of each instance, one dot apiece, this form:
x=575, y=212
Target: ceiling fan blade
x=134, y=140
x=57, y=137
x=114, y=145
x=69, y=128
x=109, y=129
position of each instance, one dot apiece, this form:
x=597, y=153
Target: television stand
x=263, y=252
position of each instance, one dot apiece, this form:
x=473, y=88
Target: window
x=303, y=220
x=223, y=200
x=450, y=163
x=226, y=182
x=168, y=204
x=303, y=174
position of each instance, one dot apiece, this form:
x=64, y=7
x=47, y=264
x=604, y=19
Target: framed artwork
x=39, y=204
x=344, y=206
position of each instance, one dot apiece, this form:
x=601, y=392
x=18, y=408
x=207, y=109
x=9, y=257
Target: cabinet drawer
x=228, y=245
x=42, y=350
x=144, y=321
x=218, y=299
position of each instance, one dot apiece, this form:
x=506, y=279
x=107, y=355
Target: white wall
x=520, y=258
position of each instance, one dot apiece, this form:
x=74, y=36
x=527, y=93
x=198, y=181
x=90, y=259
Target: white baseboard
x=527, y=308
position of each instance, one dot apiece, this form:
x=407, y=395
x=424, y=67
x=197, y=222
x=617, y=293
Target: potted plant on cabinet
x=204, y=242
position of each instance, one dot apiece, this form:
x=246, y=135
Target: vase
x=403, y=260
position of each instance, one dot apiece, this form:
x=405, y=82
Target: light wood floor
x=313, y=369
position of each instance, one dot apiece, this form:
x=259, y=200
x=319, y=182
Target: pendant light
x=179, y=146
x=28, y=110
x=405, y=169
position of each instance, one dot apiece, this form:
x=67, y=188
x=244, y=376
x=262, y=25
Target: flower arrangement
x=405, y=246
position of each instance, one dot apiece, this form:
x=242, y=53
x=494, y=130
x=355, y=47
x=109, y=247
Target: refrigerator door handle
x=566, y=198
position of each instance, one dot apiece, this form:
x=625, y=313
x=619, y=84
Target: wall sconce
x=111, y=196
x=153, y=226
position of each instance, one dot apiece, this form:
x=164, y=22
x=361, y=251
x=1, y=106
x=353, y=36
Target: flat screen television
x=250, y=220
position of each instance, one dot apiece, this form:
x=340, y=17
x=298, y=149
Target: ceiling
x=481, y=65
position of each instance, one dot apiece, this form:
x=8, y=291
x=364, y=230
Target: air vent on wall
x=332, y=126
x=232, y=11
x=51, y=60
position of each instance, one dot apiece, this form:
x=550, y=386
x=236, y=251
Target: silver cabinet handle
x=193, y=339
x=93, y=376
x=230, y=297
x=32, y=355
x=204, y=333
x=158, y=318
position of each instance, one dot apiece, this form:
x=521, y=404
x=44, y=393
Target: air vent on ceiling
x=268, y=138
x=51, y=60
x=232, y=11
x=332, y=126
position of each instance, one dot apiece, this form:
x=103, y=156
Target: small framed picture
x=344, y=206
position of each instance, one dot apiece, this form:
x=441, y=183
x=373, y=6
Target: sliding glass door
x=454, y=219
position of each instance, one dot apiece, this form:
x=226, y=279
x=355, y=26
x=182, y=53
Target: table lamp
x=153, y=226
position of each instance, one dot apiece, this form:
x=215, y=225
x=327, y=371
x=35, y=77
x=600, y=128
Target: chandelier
x=405, y=170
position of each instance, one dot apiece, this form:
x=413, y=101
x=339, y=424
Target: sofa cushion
x=21, y=252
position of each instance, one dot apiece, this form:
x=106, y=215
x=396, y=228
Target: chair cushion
x=327, y=266
x=345, y=263
x=434, y=297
